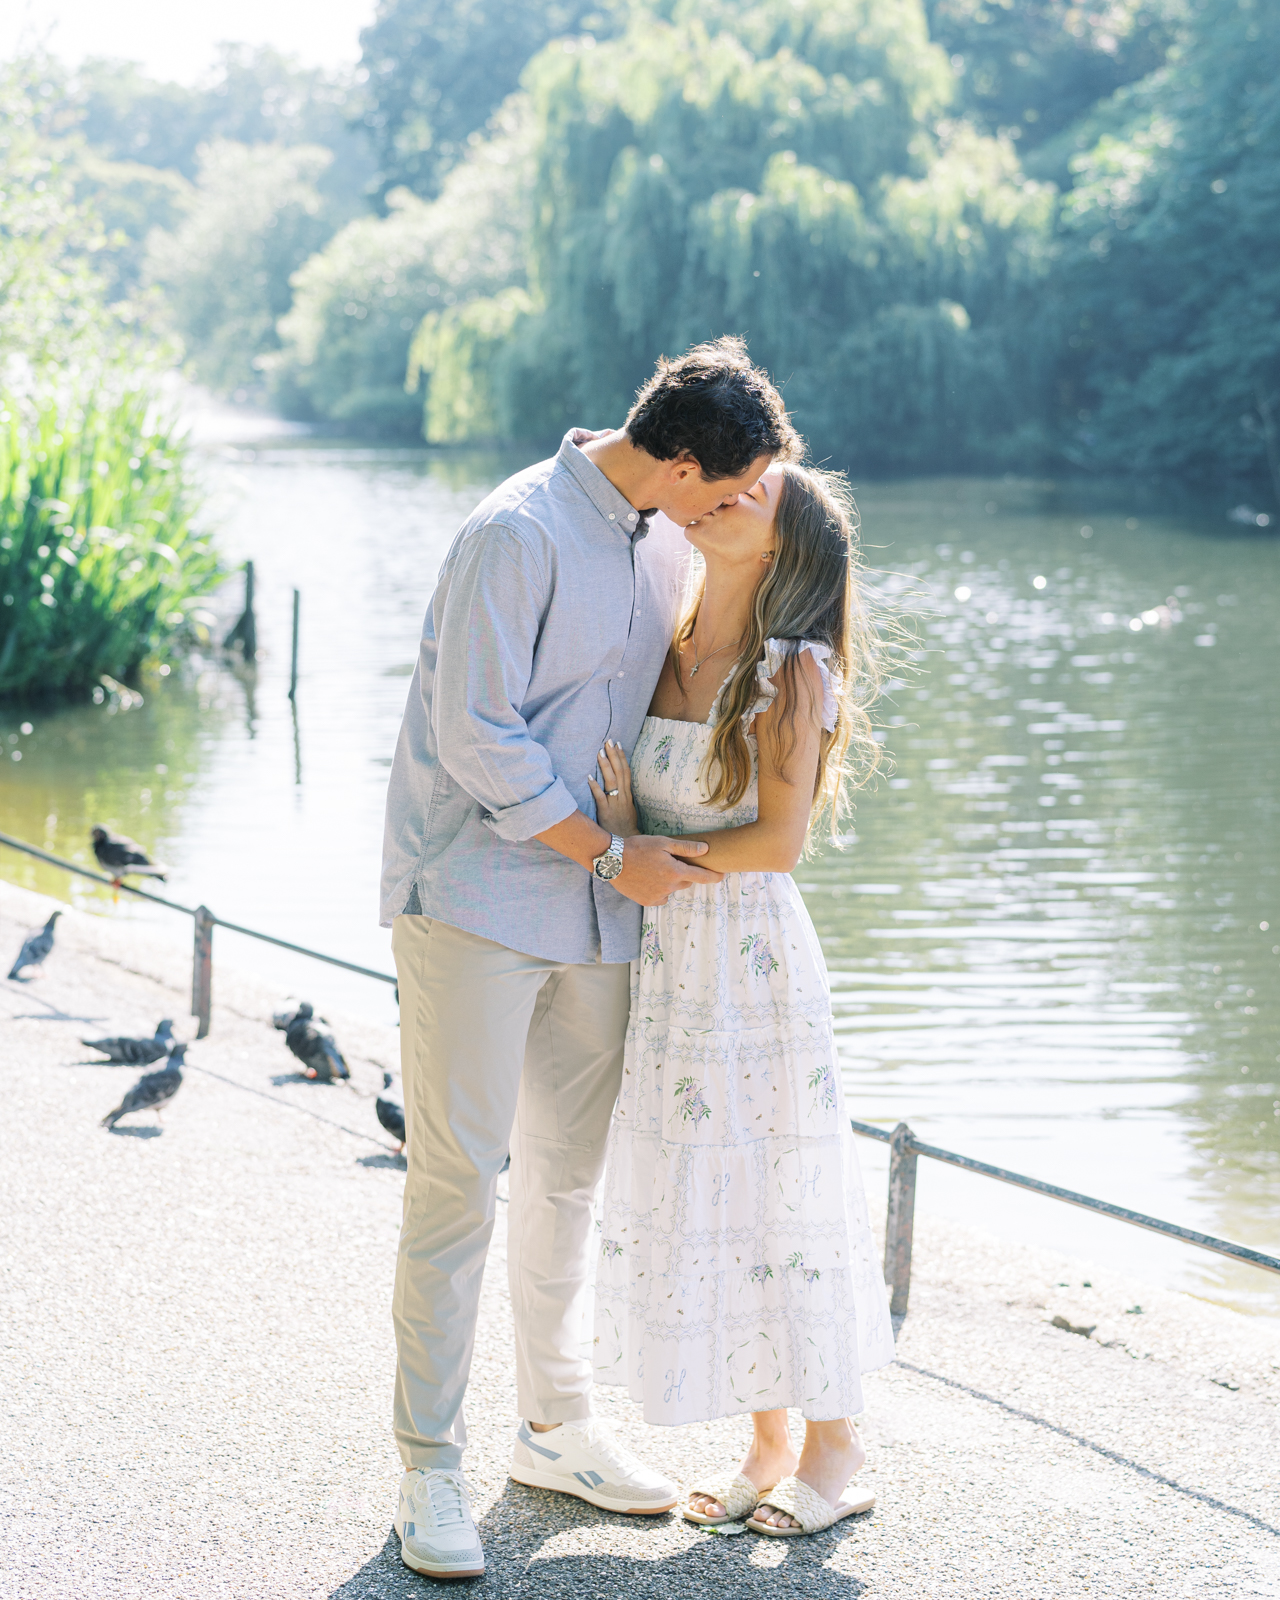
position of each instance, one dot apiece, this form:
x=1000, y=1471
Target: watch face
x=608, y=866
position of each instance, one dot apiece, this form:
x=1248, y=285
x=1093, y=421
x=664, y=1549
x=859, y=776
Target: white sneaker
x=437, y=1532
x=583, y=1459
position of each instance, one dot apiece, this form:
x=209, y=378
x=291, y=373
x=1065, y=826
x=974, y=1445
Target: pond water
x=1054, y=934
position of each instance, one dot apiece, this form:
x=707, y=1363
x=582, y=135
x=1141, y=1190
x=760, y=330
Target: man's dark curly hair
x=712, y=404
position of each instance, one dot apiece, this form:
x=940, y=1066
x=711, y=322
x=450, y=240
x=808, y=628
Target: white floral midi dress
x=737, y=1269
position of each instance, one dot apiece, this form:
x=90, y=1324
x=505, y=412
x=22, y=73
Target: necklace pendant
x=693, y=671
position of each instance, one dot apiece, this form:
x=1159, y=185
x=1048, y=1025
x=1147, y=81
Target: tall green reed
x=101, y=567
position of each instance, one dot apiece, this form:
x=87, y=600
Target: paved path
x=196, y=1363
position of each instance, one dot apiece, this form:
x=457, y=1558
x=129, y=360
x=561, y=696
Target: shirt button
x=622, y=674
x=612, y=518
x=631, y=516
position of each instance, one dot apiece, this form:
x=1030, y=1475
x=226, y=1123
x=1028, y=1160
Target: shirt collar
x=616, y=510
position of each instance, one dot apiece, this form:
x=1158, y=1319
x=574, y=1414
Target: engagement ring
x=611, y=791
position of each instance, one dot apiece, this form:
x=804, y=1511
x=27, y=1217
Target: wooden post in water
x=901, y=1219
x=245, y=632
x=202, y=971
x=293, y=660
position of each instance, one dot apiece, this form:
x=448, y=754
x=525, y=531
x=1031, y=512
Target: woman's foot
x=768, y=1461
x=832, y=1454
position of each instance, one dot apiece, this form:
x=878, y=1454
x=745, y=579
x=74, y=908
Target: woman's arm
x=775, y=840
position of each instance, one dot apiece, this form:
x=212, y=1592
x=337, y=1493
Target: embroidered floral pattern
x=662, y=753
x=609, y=1248
x=760, y=959
x=691, y=1106
x=760, y=1273
x=822, y=1081
x=650, y=948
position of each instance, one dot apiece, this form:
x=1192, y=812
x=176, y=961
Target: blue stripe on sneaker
x=526, y=1438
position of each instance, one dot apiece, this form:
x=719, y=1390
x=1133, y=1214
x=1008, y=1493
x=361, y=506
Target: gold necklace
x=700, y=661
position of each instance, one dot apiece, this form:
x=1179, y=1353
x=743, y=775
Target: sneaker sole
x=430, y=1570
x=533, y=1479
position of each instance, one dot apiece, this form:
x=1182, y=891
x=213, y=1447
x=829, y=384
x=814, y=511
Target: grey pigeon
x=311, y=1040
x=390, y=1115
x=153, y=1089
x=36, y=948
x=123, y=857
x=136, y=1052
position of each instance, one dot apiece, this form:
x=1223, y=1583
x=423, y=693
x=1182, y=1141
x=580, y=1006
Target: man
x=515, y=915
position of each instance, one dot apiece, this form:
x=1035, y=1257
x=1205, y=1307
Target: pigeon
x=36, y=948
x=390, y=1115
x=311, y=1040
x=124, y=857
x=152, y=1089
x=136, y=1052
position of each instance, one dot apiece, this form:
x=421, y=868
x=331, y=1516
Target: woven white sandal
x=738, y=1495
x=807, y=1507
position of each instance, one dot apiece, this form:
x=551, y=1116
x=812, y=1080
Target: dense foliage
x=357, y=303
x=965, y=234
x=250, y=220
x=1172, y=272
x=436, y=70
x=99, y=564
x=764, y=169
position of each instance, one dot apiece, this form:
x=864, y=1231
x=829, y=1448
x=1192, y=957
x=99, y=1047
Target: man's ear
x=684, y=467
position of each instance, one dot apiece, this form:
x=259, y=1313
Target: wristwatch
x=609, y=865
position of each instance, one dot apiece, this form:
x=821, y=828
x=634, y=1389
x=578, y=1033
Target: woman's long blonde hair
x=809, y=592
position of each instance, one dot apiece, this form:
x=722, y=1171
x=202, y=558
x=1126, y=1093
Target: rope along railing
x=905, y=1148
x=205, y=922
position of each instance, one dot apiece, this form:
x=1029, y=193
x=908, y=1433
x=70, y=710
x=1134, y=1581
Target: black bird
x=36, y=948
x=311, y=1040
x=136, y=1052
x=390, y=1115
x=152, y=1089
x=124, y=857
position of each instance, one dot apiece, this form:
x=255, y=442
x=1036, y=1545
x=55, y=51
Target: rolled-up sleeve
x=487, y=627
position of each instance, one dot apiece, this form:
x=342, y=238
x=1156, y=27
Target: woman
x=738, y=1271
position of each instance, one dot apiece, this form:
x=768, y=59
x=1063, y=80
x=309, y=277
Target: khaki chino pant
x=497, y=1048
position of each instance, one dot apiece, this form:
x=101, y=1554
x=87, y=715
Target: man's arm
x=485, y=638
x=652, y=867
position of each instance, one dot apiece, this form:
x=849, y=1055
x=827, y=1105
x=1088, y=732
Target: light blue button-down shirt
x=545, y=637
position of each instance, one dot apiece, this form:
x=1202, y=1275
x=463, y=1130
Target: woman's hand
x=615, y=808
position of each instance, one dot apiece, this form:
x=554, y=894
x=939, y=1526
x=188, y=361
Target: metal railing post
x=202, y=970
x=900, y=1222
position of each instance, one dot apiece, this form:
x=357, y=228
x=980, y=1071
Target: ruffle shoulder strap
x=775, y=652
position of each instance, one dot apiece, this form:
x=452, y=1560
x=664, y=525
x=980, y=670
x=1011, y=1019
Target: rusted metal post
x=901, y=1219
x=202, y=971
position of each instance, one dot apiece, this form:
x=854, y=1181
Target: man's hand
x=654, y=868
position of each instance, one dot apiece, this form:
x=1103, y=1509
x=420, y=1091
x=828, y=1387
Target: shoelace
x=444, y=1495
x=608, y=1449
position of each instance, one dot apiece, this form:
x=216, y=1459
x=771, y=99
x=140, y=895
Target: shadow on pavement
x=147, y=1132
x=522, y=1521
x=1098, y=1449
x=398, y=1163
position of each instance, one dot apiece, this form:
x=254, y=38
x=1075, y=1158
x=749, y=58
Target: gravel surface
x=196, y=1361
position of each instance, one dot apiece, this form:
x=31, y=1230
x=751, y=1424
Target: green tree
x=435, y=71
x=1034, y=67
x=357, y=302
x=253, y=96
x=252, y=218
x=1172, y=274
x=784, y=171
